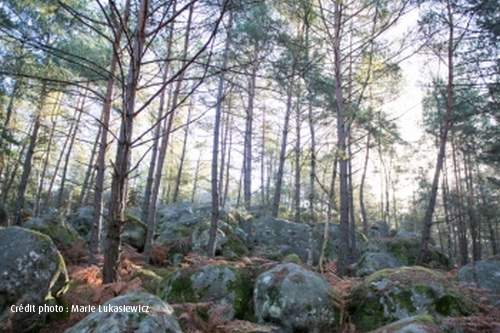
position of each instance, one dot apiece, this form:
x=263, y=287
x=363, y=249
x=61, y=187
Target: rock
x=379, y=229
x=485, y=274
x=371, y=262
x=180, y=212
x=402, y=250
x=81, y=220
x=296, y=299
x=279, y=238
x=55, y=226
x=394, y=294
x=228, y=288
x=31, y=271
x=417, y=324
x=4, y=217
x=134, y=233
x=159, y=318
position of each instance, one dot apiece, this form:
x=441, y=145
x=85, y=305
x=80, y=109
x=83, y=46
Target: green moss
x=293, y=258
x=181, y=290
x=243, y=292
x=234, y=247
x=203, y=314
x=150, y=280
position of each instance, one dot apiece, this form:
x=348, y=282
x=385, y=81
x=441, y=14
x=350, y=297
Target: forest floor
x=87, y=289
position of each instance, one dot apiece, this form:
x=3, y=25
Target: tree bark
x=23, y=183
x=426, y=232
x=121, y=167
x=212, y=241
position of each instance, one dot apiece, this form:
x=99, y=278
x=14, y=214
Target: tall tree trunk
x=158, y=128
x=212, y=241
x=487, y=209
x=90, y=168
x=341, y=145
x=121, y=167
x=73, y=130
x=363, y=178
x=247, y=169
x=461, y=228
x=183, y=155
x=473, y=225
x=23, y=183
x=38, y=197
x=196, y=176
x=164, y=145
x=426, y=232
x=284, y=141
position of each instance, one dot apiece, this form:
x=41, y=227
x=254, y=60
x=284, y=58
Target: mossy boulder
x=32, y=272
x=144, y=313
x=393, y=294
x=416, y=324
x=396, y=252
x=134, y=232
x=485, y=274
x=227, y=287
x=289, y=237
x=296, y=299
x=56, y=227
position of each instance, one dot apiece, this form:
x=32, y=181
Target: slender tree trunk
x=90, y=168
x=23, y=183
x=121, y=166
x=461, y=229
x=183, y=156
x=284, y=141
x=426, y=232
x=487, y=209
x=362, y=183
x=212, y=242
x=158, y=128
x=38, y=197
x=163, y=147
x=331, y=199
x=196, y=176
x=476, y=251
x=297, y=191
x=75, y=123
x=341, y=146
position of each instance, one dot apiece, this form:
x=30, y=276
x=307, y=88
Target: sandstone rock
x=31, y=271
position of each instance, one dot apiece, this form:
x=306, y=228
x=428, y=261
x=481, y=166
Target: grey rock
x=56, y=227
x=226, y=287
x=370, y=262
x=160, y=317
x=394, y=294
x=296, y=299
x=31, y=271
x=485, y=274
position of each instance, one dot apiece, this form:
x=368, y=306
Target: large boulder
x=135, y=312
x=417, y=324
x=228, y=288
x=397, y=252
x=32, y=271
x=134, y=232
x=296, y=299
x=394, y=294
x=279, y=238
x=81, y=220
x=56, y=227
x=485, y=274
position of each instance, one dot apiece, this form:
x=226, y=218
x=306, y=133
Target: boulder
x=279, y=238
x=144, y=313
x=394, y=294
x=379, y=229
x=371, y=262
x=296, y=299
x=56, y=227
x=485, y=274
x=227, y=288
x=397, y=252
x=134, y=232
x=81, y=220
x=416, y=324
x=32, y=271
